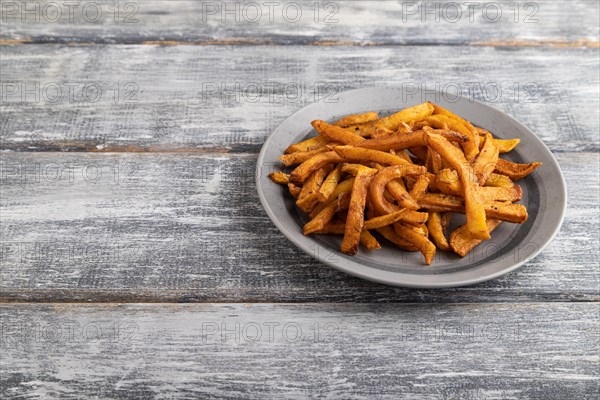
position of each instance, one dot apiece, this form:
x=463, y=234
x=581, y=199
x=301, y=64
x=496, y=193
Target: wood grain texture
x=184, y=227
x=183, y=102
x=470, y=351
x=363, y=23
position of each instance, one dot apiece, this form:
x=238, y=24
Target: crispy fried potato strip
x=356, y=119
x=474, y=207
x=462, y=243
x=356, y=211
x=336, y=133
x=436, y=230
x=515, y=171
x=486, y=160
x=280, y=177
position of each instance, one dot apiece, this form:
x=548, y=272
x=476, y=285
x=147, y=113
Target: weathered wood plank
x=503, y=22
x=469, y=351
x=181, y=227
x=152, y=98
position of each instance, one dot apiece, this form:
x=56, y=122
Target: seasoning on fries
x=399, y=178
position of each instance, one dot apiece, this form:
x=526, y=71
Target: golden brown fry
x=342, y=187
x=502, y=210
x=294, y=190
x=498, y=180
x=400, y=141
x=447, y=182
x=471, y=146
x=337, y=134
x=321, y=219
x=462, y=243
x=436, y=230
x=301, y=156
x=384, y=220
x=515, y=171
x=356, y=119
x=330, y=183
x=420, y=187
x=390, y=234
x=280, y=177
x=356, y=211
x=308, y=197
x=486, y=160
x=418, y=240
x=368, y=240
x=398, y=191
x=307, y=145
x=474, y=208
x=303, y=171
x=376, y=191
x=504, y=146
x=358, y=154
x=393, y=121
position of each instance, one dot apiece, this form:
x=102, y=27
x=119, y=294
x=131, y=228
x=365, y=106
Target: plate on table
x=511, y=245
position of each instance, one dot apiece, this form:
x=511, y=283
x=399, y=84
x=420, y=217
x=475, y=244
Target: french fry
x=368, y=240
x=356, y=119
x=462, y=243
x=303, y=171
x=294, y=190
x=329, y=184
x=502, y=210
x=384, y=220
x=337, y=134
x=504, y=145
x=383, y=177
x=307, y=145
x=356, y=211
x=471, y=146
x=436, y=230
x=498, y=180
x=342, y=187
x=420, y=187
x=393, y=121
x=447, y=182
x=418, y=240
x=301, y=156
x=321, y=219
x=474, y=208
x=513, y=170
x=486, y=160
x=280, y=177
x=358, y=154
x=390, y=234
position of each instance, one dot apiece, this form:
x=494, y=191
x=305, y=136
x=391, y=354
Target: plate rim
x=291, y=236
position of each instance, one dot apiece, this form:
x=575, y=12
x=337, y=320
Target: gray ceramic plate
x=544, y=194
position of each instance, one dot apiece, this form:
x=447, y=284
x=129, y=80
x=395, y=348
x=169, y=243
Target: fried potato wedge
x=499, y=180
x=515, y=171
x=436, y=230
x=475, y=211
x=280, y=177
x=486, y=160
x=390, y=234
x=418, y=240
x=462, y=243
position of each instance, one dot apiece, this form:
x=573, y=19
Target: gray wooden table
x=137, y=261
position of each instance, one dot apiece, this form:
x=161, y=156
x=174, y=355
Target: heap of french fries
x=402, y=176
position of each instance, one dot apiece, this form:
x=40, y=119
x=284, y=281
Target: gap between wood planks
x=553, y=43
